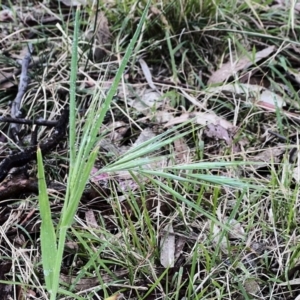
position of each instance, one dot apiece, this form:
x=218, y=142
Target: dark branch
x=26, y=121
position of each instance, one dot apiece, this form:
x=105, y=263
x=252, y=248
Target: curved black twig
x=28, y=122
x=21, y=158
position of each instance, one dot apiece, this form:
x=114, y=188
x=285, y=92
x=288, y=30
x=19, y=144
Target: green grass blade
x=131, y=157
x=48, y=237
x=73, y=78
x=67, y=218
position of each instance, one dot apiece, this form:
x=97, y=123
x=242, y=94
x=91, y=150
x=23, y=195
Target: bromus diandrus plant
x=81, y=162
x=83, y=152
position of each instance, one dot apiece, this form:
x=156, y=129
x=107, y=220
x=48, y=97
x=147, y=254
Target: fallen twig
x=16, y=105
x=21, y=158
x=28, y=122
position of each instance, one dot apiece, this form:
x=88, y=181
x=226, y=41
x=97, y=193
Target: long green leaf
x=48, y=237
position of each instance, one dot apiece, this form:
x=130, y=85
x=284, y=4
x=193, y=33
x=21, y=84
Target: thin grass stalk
x=176, y=195
x=156, y=283
x=173, y=64
x=197, y=178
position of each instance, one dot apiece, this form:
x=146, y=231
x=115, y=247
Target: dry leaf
x=167, y=247
x=236, y=231
x=218, y=132
x=201, y=118
x=252, y=92
x=75, y=2
x=142, y=99
x=182, y=150
x=230, y=68
x=148, y=100
x=103, y=37
x=272, y=98
x=147, y=73
x=268, y=156
x=91, y=219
